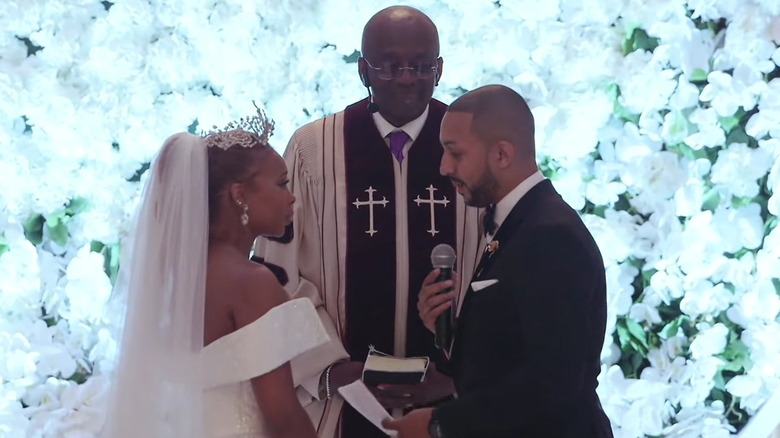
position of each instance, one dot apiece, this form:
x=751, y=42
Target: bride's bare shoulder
x=247, y=289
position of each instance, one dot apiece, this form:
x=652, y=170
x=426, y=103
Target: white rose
x=709, y=341
x=743, y=385
x=704, y=298
x=710, y=133
x=88, y=287
x=739, y=167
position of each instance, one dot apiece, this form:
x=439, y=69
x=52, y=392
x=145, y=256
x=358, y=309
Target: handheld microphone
x=443, y=257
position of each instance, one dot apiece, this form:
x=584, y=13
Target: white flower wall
x=659, y=120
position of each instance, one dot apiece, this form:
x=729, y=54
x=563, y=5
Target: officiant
x=371, y=205
x=525, y=357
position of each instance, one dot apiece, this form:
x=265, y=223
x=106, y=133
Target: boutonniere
x=491, y=247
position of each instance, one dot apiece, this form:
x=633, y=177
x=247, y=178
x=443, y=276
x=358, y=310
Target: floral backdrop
x=659, y=120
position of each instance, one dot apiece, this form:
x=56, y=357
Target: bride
x=208, y=334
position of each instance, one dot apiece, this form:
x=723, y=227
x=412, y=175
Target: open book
x=384, y=368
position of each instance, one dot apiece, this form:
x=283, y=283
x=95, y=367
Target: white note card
x=358, y=395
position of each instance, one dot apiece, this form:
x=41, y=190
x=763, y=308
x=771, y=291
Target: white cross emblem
x=371, y=231
x=432, y=202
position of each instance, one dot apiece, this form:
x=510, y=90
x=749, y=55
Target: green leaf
x=770, y=224
x=631, y=363
x=736, y=355
x=776, y=284
x=711, y=200
x=4, y=246
x=632, y=337
x=59, y=232
x=193, y=128
x=720, y=386
x=731, y=122
x=549, y=168
x=621, y=112
x=728, y=123
x=33, y=229
x=623, y=335
x=638, y=39
x=670, y=330
x=739, y=254
x=78, y=377
x=96, y=246
x=352, y=58
x=638, y=347
x=698, y=75
x=76, y=205
x=55, y=219
x=637, y=332
x=624, y=114
x=738, y=135
x=600, y=210
x=114, y=264
x=110, y=255
x=137, y=175
x=647, y=275
x=737, y=202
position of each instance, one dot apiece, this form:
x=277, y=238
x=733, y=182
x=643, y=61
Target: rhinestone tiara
x=246, y=132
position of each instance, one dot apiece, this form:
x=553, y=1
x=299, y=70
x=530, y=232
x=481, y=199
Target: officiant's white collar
x=412, y=128
x=507, y=203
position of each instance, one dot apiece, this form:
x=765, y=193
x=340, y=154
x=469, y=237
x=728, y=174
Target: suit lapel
x=504, y=234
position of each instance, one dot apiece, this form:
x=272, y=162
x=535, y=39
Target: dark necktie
x=488, y=219
x=397, y=142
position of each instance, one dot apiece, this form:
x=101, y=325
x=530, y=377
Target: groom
x=525, y=356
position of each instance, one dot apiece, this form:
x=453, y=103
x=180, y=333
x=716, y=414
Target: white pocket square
x=476, y=286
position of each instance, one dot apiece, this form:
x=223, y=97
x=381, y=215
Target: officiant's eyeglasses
x=389, y=70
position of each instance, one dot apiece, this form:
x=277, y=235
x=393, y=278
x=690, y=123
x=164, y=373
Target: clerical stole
x=396, y=214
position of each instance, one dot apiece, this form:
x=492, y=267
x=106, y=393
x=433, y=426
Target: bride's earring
x=244, y=214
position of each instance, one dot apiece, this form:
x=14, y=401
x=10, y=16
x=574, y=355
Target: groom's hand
x=412, y=425
x=431, y=302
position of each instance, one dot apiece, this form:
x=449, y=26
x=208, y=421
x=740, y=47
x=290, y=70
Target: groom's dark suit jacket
x=526, y=350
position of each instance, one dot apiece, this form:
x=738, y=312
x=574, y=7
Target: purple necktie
x=397, y=142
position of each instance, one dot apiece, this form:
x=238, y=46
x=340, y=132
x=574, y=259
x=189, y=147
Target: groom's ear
x=504, y=154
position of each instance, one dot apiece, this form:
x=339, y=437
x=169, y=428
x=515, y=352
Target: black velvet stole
x=370, y=268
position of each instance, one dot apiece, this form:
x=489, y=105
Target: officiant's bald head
x=400, y=62
x=395, y=21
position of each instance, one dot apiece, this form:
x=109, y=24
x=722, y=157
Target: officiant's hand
x=344, y=373
x=431, y=302
x=435, y=387
x=412, y=425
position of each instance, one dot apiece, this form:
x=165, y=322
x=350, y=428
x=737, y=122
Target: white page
x=358, y=395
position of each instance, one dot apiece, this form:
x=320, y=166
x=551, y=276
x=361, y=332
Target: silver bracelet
x=328, y=394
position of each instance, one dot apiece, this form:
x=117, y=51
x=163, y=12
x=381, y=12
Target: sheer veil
x=157, y=388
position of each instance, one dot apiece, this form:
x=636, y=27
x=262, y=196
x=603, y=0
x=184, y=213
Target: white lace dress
x=286, y=331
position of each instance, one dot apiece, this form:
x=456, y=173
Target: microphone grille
x=443, y=256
